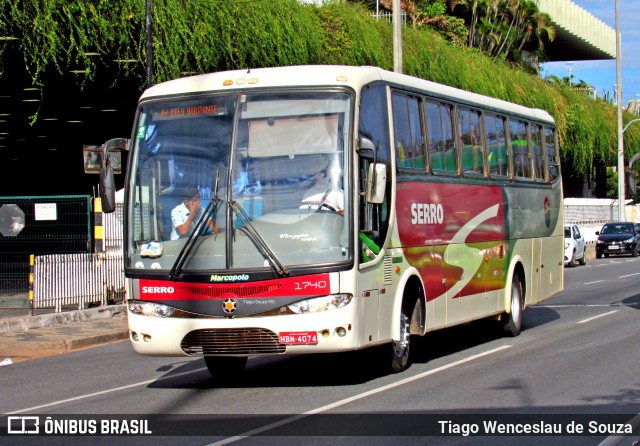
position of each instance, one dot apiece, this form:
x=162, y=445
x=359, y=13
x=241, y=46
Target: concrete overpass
x=579, y=35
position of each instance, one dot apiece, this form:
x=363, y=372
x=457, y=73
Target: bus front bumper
x=328, y=331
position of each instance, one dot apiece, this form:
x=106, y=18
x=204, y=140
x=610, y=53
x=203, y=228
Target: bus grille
x=231, y=341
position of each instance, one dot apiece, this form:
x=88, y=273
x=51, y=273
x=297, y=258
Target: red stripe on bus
x=312, y=285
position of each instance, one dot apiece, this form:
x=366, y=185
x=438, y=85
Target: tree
x=432, y=14
x=503, y=28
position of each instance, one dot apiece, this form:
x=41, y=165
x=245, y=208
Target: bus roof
x=330, y=75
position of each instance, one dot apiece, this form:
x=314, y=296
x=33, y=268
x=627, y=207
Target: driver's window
x=374, y=125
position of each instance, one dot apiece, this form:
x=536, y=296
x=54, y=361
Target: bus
x=431, y=207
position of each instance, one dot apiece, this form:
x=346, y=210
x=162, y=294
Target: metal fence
x=388, y=16
x=39, y=225
x=77, y=280
x=47, y=257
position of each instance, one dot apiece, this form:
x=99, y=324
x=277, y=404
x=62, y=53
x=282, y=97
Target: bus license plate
x=298, y=337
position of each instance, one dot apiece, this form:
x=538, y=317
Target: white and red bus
x=354, y=207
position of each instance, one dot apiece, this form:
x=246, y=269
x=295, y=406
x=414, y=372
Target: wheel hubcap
x=402, y=345
x=515, y=304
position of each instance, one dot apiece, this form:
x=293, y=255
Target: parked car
x=617, y=238
x=575, y=247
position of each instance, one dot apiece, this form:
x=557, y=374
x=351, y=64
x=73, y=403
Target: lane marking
x=177, y=375
x=104, y=392
x=631, y=304
x=595, y=281
x=351, y=399
x=596, y=317
x=628, y=275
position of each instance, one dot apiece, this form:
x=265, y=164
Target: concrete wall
x=591, y=213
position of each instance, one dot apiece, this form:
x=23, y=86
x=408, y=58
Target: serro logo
x=158, y=290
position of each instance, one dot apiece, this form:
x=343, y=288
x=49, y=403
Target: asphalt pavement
x=26, y=334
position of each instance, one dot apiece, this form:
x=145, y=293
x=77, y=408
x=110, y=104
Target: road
x=577, y=359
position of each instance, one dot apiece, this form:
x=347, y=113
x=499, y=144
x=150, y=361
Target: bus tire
x=399, y=350
x=225, y=366
x=512, y=321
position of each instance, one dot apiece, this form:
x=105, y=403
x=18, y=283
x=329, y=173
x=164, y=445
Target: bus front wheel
x=513, y=320
x=225, y=366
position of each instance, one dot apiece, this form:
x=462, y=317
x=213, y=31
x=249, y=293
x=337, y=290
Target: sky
x=601, y=74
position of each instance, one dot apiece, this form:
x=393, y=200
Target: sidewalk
x=23, y=336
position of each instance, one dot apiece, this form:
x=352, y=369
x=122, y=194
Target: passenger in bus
x=185, y=216
x=324, y=192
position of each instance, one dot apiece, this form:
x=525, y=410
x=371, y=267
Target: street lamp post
x=570, y=68
x=397, y=36
x=621, y=197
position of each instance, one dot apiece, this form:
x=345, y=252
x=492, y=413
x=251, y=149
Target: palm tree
x=496, y=27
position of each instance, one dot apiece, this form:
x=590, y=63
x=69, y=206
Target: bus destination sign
x=191, y=111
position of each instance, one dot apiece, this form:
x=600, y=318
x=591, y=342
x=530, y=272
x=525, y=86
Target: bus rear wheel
x=399, y=349
x=512, y=321
x=225, y=366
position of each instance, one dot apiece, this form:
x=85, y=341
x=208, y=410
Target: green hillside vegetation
x=200, y=36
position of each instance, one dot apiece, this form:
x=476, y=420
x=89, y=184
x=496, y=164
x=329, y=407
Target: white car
x=575, y=247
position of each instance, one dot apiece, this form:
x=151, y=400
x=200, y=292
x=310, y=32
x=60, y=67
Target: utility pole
x=621, y=171
x=397, y=37
x=149, y=30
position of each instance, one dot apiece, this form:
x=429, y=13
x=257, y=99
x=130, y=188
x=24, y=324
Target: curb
x=75, y=344
x=23, y=323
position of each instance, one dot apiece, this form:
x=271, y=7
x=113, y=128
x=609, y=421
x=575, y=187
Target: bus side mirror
x=107, y=182
x=376, y=183
x=366, y=148
x=107, y=189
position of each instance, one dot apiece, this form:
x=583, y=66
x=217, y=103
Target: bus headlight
x=150, y=309
x=318, y=304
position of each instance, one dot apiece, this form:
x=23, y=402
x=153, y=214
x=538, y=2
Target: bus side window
x=441, y=142
x=553, y=164
x=538, y=154
x=469, y=141
x=497, y=154
x=408, y=131
x=520, y=149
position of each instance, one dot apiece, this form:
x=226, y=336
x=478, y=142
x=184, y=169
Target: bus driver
x=323, y=193
x=185, y=215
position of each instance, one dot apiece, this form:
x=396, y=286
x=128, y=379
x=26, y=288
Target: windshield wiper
x=198, y=230
x=258, y=240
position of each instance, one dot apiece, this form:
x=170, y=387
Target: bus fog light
x=341, y=331
x=325, y=333
x=146, y=338
x=134, y=336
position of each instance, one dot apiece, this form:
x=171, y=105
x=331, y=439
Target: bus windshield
x=240, y=181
